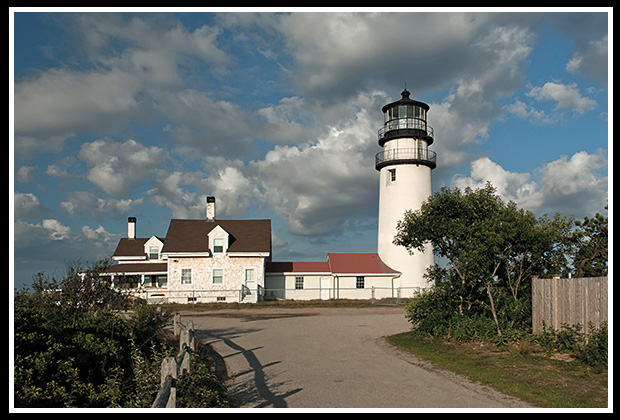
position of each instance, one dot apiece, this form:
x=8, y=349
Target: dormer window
x=152, y=248
x=153, y=252
x=219, y=240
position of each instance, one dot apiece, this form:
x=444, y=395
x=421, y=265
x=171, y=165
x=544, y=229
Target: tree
x=591, y=257
x=490, y=245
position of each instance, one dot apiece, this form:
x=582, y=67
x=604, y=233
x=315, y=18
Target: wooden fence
x=557, y=301
x=175, y=367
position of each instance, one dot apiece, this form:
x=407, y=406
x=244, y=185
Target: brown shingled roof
x=138, y=268
x=190, y=235
x=132, y=247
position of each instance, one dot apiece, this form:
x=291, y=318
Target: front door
x=250, y=281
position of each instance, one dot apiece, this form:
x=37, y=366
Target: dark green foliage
x=201, y=389
x=68, y=358
x=591, y=348
x=72, y=349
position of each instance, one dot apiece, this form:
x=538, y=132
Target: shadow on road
x=255, y=392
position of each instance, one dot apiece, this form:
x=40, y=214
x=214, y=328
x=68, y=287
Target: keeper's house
x=206, y=260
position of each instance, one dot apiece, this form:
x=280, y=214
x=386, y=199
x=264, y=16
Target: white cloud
x=463, y=118
x=574, y=176
x=317, y=186
x=525, y=111
x=99, y=236
x=56, y=230
x=565, y=96
x=26, y=204
x=511, y=186
x=118, y=167
x=168, y=191
x=24, y=173
x=136, y=63
x=572, y=185
x=87, y=202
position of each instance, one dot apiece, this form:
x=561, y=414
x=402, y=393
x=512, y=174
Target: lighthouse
x=404, y=166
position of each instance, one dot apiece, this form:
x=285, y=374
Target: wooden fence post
x=172, y=368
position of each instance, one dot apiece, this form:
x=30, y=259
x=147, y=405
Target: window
x=218, y=276
x=392, y=174
x=153, y=252
x=218, y=245
x=186, y=276
x=359, y=282
x=299, y=282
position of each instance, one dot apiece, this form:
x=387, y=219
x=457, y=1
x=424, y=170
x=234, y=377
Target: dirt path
x=329, y=357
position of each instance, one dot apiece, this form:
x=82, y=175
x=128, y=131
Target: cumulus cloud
x=87, y=202
x=24, y=173
x=522, y=110
x=565, y=97
x=318, y=186
x=47, y=229
x=169, y=192
x=463, y=118
x=575, y=177
x=572, y=185
x=117, y=167
x=135, y=64
x=26, y=204
x=328, y=50
x=511, y=186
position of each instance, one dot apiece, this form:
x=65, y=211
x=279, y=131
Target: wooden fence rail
x=557, y=301
x=175, y=367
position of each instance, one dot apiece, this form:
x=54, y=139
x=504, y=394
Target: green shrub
x=591, y=349
x=594, y=352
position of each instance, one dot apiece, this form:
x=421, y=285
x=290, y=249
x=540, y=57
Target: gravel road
x=329, y=358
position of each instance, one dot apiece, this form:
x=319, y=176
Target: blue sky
x=276, y=114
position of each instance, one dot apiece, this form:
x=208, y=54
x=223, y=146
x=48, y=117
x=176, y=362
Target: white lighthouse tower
x=404, y=166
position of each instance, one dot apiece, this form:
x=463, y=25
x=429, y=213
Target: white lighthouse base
x=405, y=190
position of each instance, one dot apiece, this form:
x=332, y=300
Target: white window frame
x=218, y=243
x=190, y=276
x=153, y=250
x=213, y=275
x=299, y=282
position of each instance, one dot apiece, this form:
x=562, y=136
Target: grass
x=515, y=370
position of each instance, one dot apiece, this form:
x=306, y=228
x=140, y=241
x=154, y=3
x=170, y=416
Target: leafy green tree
x=591, y=256
x=492, y=247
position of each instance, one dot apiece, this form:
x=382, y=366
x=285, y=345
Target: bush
x=202, y=388
x=79, y=353
x=71, y=348
x=594, y=351
x=591, y=349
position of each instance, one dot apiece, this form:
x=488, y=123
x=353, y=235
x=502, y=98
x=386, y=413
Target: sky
x=276, y=113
